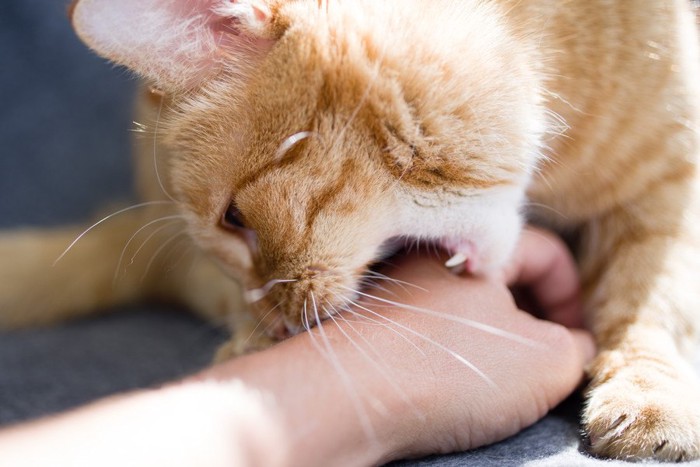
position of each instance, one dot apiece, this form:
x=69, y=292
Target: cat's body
x=332, y=128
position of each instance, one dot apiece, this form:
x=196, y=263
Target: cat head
x=306, y=135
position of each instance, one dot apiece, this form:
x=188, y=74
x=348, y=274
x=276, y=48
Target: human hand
x=528, y=380
x=544, y=276
x=446, y=363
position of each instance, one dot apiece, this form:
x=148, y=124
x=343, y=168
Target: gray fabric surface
x=47, y=370
x=64, y=151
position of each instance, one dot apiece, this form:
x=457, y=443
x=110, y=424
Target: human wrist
x=317, y=422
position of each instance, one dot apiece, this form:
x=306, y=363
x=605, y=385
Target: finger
x=571, y=352
x=584, y=345
x=543, y=264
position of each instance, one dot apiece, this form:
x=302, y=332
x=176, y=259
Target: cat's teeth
x=456, y=260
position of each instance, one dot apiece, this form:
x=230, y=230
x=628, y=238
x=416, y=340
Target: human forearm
x=374, y=383
x=188, y=424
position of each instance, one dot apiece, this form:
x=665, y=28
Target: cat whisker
x=104, y=219
x=345, y=377
x=196, y=259
x=383, y=370
x=445, y=349
x=380, y=276
x=255, y=295
x=150, y=236
x=307, y=326
x=548, y=208
x=363, y=321
x=273, y=323
x=367, y=282
x=354, y=344
x=188, y=248
x=158, y=251
x=261, y=321
x=375, y=322
x=126, y=246
x=305, y=318
x=457, y=319
x=182, y=243
x=329, y=355
x=155, y=150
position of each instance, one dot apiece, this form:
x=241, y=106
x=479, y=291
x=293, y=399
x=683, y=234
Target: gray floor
x=64, y=148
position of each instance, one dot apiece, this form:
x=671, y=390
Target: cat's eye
x=233, y=219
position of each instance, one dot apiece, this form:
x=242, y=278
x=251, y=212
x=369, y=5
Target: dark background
x=65, y=121
x=65, y=118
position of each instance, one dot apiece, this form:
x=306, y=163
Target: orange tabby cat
x=291, y=139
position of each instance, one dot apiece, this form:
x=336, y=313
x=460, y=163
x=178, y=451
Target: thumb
x=570, y=352
x=584, y=344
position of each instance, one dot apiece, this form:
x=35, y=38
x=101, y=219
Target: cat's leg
x=203, y=287
x=641, y=267
x=105, y=267
x=135, y=255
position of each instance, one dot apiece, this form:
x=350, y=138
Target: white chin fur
x=478, y=232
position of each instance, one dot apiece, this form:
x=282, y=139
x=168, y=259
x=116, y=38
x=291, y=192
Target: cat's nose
x=313, y=271
x=316, y=269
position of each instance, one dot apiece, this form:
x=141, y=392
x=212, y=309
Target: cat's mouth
x=290, y=307
x=319, y=293
x=460, y=254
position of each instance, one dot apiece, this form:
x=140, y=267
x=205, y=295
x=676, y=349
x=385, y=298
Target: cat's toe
x=636, y=416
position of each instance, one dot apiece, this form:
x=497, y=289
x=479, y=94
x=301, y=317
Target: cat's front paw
x=645, y=411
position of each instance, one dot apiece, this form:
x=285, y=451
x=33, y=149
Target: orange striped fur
x=333, y=128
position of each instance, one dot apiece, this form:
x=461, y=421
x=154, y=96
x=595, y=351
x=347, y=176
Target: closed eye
x=233, y=219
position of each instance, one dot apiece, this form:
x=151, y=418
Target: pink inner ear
x=176, y=43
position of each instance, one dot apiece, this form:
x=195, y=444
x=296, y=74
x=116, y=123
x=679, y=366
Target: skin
x=306, y=413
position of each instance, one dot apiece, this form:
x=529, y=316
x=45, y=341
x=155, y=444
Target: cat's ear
x=178, y=44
